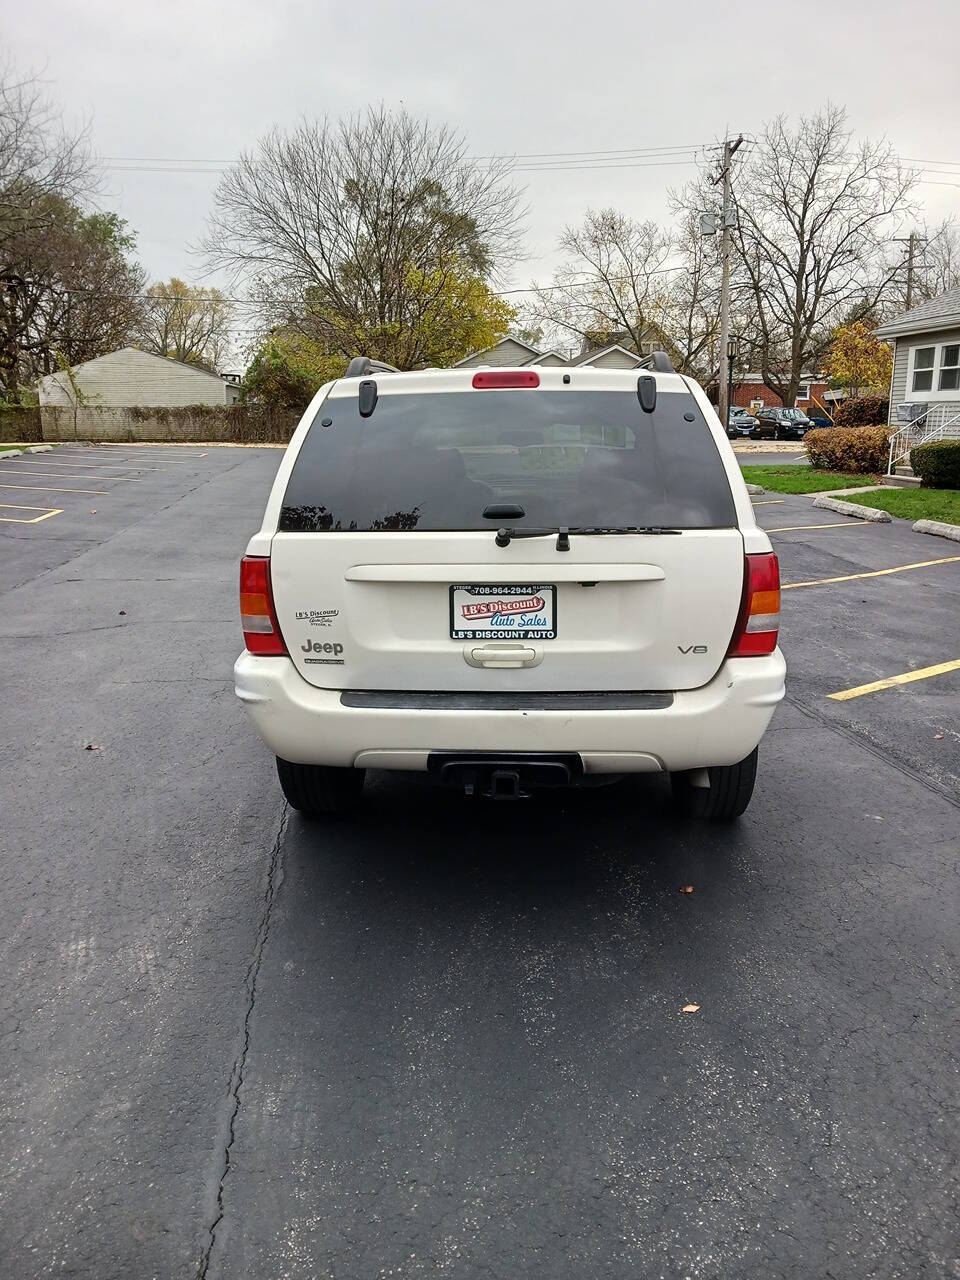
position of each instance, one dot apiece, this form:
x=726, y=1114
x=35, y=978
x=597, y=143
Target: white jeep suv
x=511, y=578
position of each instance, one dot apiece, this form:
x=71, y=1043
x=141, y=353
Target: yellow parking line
x=12, y=506
x=873, y=573
x=841, y=524
x=52, y=488
x=21, y=468
x=924, y=673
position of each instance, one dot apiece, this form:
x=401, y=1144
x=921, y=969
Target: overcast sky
x=200, y=81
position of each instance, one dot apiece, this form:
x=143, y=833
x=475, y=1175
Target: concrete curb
x=10, y=453
x=939, y=529
x=873, y=514
x=838, y=493
x=39, y=448
x=755, y=489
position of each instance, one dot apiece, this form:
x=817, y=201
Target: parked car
x=468, y=572
x=782, y=424
x=740, y=422
x=819, y=423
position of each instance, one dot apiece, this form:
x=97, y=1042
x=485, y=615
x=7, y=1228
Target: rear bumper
x=720, y=723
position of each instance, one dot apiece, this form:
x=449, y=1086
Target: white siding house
x=508, y=352
x=130, y=377
x=925, y=385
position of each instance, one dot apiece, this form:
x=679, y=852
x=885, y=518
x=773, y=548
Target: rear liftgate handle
x=502, y=655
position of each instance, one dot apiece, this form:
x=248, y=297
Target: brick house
x=749, y=392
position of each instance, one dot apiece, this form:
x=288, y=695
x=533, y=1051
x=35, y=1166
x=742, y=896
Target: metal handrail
x=902, y=441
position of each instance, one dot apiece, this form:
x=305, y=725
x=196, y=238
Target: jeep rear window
x=434, y=461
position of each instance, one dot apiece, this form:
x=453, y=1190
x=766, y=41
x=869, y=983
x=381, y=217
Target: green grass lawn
x=4, y=447
x=800, y=479
x=913, y=504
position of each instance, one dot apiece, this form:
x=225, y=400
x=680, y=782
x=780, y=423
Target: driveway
x=448, y=1039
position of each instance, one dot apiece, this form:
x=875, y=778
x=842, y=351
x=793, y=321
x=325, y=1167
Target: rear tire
x=315, y=789
x=731, y=786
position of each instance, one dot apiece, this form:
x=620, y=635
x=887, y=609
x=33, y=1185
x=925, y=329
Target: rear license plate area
x=525, y=611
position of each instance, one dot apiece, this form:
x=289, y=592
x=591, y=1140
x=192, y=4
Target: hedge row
x=937, y=464
x=860, y=450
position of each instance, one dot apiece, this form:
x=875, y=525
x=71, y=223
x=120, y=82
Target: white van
x=511, y=578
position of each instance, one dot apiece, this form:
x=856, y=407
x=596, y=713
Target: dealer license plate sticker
x=524, y=612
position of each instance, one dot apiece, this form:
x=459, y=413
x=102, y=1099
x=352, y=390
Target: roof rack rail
x=658, y=361
x=362, y=366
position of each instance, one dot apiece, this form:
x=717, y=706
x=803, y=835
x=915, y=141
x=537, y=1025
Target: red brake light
x=491, y=378
x=759, y=618
x=258, y=617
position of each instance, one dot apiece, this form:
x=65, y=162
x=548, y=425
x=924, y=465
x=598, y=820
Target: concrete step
x=904, y=469
x=900, y=482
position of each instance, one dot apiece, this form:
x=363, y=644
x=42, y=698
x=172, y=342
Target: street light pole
x=731, y=356
x=728, y=220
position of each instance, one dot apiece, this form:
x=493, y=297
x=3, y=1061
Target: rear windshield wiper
x=506, y=536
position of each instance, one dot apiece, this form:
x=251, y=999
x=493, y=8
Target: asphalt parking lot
x=421, y=1043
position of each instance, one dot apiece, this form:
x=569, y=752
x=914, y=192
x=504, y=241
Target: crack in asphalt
x=849, y=732
x=237, y=1072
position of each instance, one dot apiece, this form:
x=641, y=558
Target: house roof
x=509, y=338
x=542, y=355
x=590, y=356
x=937, y=313
x=147, y=355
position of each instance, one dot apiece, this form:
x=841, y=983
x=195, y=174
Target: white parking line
x=23, y=469
x=103, y=466
x=52, y=488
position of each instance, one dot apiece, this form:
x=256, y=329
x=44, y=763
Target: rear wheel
x=729, y=792
x=316, y=789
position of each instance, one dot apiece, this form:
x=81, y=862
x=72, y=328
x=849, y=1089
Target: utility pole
x=728, y=221
x=911, y=241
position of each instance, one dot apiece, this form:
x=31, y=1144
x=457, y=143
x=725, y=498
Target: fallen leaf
x=691, y=1008
x=937, y=737
x=686, y=888
x=93, y=746
x=94, y=511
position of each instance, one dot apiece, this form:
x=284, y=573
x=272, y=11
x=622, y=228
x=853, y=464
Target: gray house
x=513, y=353
x=925, y=386
x=131, y=377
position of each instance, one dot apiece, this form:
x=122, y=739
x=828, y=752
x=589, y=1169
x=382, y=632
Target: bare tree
x=817, y=213
x=611, y=286
x=186, y=323
x=41, y=162
x=362, y=223
x=79, y=292
x=938, y=262
x=692, y=301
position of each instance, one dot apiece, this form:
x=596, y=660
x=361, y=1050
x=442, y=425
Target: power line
x=299, y=302
x=539, y=167
x=494, y=155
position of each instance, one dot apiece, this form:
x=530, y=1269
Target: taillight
x=759, y=618
x=258, y=617
x=491, y=378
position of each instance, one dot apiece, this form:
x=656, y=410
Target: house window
x=803, y=391
x=950, y=368
x=923, y=362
